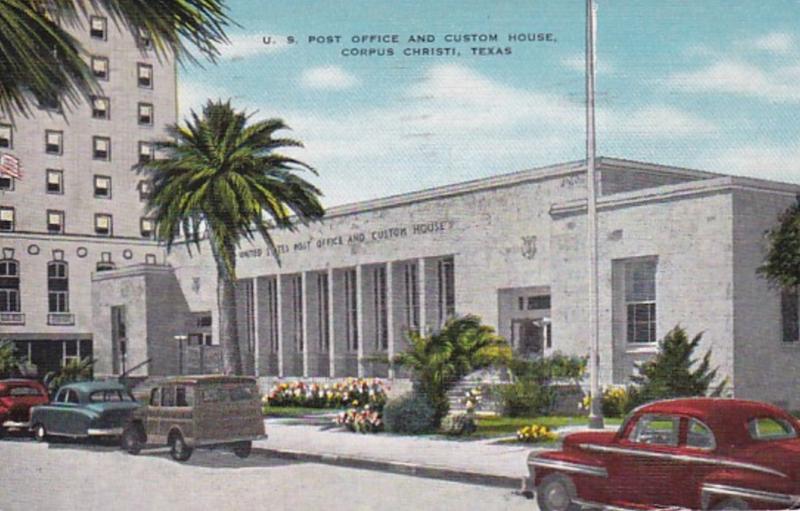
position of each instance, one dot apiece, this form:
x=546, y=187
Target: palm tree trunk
x=226, y=301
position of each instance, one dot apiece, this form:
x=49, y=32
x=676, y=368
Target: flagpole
x=596, y=411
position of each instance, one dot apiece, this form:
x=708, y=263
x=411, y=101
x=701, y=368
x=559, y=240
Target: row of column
x=342, y=321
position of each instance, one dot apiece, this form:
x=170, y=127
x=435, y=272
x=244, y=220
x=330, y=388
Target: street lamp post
x=595, y=413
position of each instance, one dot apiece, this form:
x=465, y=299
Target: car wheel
x=179, y=450
x=731, y=504
x=556, y=492
x=242, y=449
x=132, y=440
x=39, y=433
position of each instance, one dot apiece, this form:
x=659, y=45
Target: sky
x=706, y=84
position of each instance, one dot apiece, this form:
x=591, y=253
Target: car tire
x=39, y=432
x=556, y=492
x=731, y=504
x=178, y=448
x=242, y=449
x=132, y=440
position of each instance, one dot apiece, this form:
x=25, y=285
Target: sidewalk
x=475, y=461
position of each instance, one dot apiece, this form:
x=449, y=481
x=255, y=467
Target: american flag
x=9, y=165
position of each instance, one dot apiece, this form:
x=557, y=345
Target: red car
x=16, y=399
x=693, y=453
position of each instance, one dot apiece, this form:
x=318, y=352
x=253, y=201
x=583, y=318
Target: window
x=411, y=296
x=146, y=227
x=98, y=27
x=6, y=219
x=297, y=312
x=72, y=397
x=102, y=187
x=272, y=313
x=447, y=292
x=100, y=67
x=54, y=142
x=249, y=315
x=9, y=286
x=101, y=148
x=102, y=224
x=109, y=396
x=69, y=352
x=149, y=259
x=204, y=321
x=351, y=308
x=640, y=301
x=323, y=309
x=6, y=136
x=184, y=396
x=145, y=114
x=49, y=102
x=145, y=187
x=656, y=430
x=55, y=181
x=6, y=183
x=379, y=308
x=144, y=73
x=699, y=436
x=770, y=428
x=144, y=39
x=101, y=107
x=789, y=314
x=57, y=286
x=146, y=152
x=55, y=221
x=167, y=396
x=154, y=395
x=539, y=302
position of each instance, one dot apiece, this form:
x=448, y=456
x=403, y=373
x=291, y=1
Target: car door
x=651, y=464
x=61, y=418
x=73, y=418
x=151, y=419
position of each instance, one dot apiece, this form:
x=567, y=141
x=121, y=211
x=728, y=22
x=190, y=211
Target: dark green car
x=84, y=409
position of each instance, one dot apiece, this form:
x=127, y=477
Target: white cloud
x=763, y=161
x=777, y=84
x=776, y=42
x=247, y=45
x=578, y=63
x=655, y=121
x=327, y=77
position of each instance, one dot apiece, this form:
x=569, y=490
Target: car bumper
x=104, y=432
x=16, y=425
x=223, y=441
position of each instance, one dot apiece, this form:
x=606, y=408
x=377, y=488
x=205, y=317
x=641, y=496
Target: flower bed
x=365, y=419
x=535, y=433
x=351, y=392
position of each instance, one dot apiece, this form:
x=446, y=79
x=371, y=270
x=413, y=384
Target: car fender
x=753, y=487
x=177, y=429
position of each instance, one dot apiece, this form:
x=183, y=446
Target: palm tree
x=41, y=60
x=219, y=180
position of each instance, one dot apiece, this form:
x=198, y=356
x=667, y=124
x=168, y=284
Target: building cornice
x=85, y=238
x=135, y=270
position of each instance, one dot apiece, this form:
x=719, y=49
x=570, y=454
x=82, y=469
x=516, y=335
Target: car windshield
x=24, y=391
x=770, y=428
x=236, y=393
x=107, y=396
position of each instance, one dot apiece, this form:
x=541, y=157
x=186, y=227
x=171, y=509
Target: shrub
x=526, y=398
x=9, y=362
x=351, y=392
x=535, y=433
x=438, y=361
x=361, y=420
x=72, y=371
x=531, y=393
x=618, y=401
x=411, y=414
x=459, y=424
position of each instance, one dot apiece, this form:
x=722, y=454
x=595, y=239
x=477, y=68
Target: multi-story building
x=79, y=206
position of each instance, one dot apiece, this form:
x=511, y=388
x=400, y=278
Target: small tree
x=438, y=361
x=72, y=371
x=9, y=362
x=670, y=373
x=782, y=263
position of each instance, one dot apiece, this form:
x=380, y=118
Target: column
x=423, y=306
x=360, y=319
x=331, y=329
x=256, y=324
x=304, y=326
x=279, y=307
x=390, y=316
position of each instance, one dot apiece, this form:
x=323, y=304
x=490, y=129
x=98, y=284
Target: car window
x=107, y=396
x=656, y=430
x=242, y=393
x=214, y=394
x=167, y=396
x=72, y=397
x=25, y=391
x=184, y=396
x=699, y=436
x=770, y=428
x=154, y=397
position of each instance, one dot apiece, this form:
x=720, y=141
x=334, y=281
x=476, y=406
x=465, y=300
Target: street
x=72, y=475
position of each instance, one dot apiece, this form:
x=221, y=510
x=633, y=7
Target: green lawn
x=505, y=426
x=296, y=411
